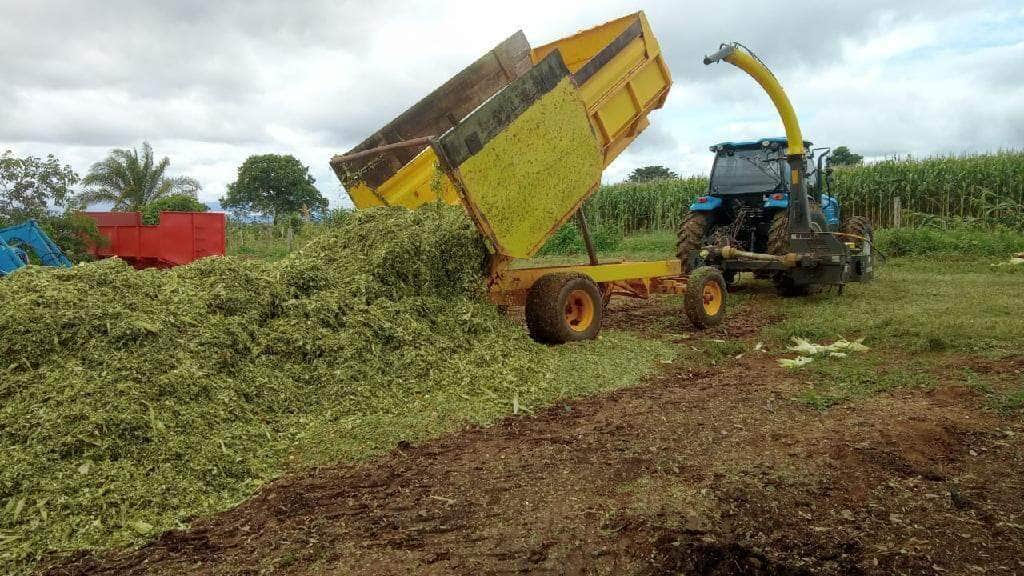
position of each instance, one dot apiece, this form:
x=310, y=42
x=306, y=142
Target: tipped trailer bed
x=520, y=139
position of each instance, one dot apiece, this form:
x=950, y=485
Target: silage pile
x=131, y=401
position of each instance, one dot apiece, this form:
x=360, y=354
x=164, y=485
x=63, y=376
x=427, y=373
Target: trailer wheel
x=564, y=307
x=704, y=300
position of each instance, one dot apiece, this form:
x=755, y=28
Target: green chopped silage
x=134, y=401
x=131, y=401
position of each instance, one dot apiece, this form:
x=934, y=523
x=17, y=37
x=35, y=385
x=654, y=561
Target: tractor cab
x=756, y=167
x=754, y=174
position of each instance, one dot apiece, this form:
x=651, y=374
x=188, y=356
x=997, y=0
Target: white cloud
x=208, y=84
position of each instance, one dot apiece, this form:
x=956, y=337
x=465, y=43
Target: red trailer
x=179, y=238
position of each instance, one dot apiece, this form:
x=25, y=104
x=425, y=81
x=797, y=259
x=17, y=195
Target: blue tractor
x=747, y=210
x=15, y=239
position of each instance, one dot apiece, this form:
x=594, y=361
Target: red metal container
x=180, y=238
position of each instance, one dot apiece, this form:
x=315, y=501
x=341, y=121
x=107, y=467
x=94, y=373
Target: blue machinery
x=15, y=239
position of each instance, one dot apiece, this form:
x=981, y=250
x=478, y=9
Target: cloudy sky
x=209, y=83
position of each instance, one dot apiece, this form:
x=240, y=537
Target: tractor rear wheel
x=704, y=300
x=564, y=307
x=690, y=238
x=778, y=243
x=778, y=234
x=860, y=227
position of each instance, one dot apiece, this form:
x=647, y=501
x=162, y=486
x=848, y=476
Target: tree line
x=51, y=192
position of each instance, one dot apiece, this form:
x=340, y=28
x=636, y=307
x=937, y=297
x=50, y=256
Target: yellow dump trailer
x=520, y=139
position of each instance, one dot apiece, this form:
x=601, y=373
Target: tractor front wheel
x=564, y=308
x=704, y=300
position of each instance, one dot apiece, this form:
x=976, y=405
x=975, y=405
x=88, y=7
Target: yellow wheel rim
x=579, y=310
x=712, y=294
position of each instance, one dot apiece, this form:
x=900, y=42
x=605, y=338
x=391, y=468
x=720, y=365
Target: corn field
x=983, y=189
x=640, y=206
x=945, y=191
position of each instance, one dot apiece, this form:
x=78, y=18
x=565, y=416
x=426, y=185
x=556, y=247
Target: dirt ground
x=698, y=471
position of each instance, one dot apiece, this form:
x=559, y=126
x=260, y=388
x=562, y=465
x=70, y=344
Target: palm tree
x=131, y=180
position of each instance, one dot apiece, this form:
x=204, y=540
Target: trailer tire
x=564, y=307
x=704, y=300
x=690, y=238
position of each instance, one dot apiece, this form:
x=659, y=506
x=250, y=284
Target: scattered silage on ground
x=132, y=401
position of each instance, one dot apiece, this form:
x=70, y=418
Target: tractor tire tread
x=778, y=234
x=690, y=237
x=858, y=226
x=778, y=243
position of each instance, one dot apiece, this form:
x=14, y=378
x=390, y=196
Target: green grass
x=838, y=380
x=919, y=313
x=266, y=241
x=964, y=241
x=999, y=395
x=656, y=244
x=918, y=305
x=1010, y=401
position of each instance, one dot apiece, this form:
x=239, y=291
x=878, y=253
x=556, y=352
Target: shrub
x=173, y=203
x=970, y=241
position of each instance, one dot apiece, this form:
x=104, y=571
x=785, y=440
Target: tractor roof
x=754, y=144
